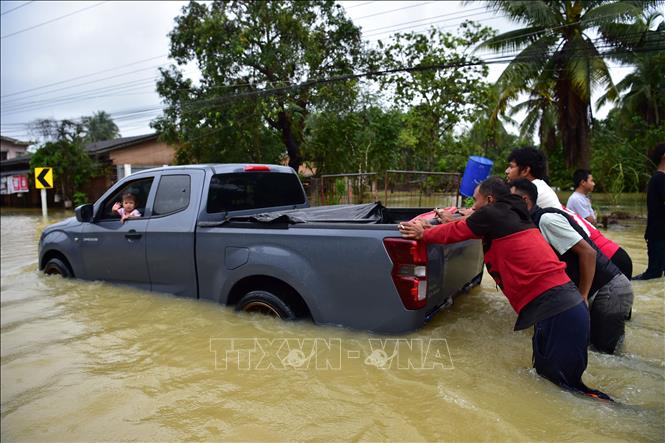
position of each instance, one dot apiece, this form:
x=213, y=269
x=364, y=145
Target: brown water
x=87, y=361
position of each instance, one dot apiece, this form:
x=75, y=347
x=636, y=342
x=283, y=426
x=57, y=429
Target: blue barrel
x=477, y=170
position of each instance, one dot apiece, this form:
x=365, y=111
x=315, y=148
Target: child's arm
x=116, y=207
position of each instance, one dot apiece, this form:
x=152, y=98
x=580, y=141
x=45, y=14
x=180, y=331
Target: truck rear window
x=252, y=190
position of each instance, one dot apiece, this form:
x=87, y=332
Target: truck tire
x=267, y=303
x=55, y=266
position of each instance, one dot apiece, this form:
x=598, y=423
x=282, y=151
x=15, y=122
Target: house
x=125, y=155
x=11, y=148
x=14, y=169
x=120, y=156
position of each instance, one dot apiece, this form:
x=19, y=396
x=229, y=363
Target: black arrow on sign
x=42, y=178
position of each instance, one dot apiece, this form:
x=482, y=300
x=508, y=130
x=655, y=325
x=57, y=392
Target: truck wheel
x=55, y=266
x=267, y=303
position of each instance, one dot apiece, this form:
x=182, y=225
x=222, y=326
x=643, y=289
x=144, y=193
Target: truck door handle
x=133, y=235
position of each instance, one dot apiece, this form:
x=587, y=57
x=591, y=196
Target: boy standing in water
x=531, y=277
x=579, y=201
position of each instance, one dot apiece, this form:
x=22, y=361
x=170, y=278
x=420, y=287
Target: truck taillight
x=256, y=168
x=409, y=271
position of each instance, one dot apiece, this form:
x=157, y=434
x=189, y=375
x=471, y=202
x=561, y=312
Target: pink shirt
x=134, y=213
x=606, y=246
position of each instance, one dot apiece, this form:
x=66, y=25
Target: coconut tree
x=540, y=115
x=565, y=42
x=643, y=90
x=100, y=126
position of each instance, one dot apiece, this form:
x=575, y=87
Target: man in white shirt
x=579, y=201
x=530, y=163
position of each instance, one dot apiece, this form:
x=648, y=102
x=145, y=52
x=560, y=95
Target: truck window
x=250, y=190
x=172, y=194
x=140, y=189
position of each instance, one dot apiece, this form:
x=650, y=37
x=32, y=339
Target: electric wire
x=17, y=7
x=51, y=21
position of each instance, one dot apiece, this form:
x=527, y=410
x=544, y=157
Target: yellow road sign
x=44, y=178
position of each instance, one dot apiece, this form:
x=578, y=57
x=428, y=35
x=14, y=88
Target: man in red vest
x=531, y=277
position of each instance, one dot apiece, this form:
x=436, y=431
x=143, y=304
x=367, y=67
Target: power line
x=392, y=10
x=430, y=25
x=140, y=113
x=465, y=14
x=51, y=21
x=235, y=86
x=358, y=5
x=17, y=7
x=85, y=76
x=504, y=59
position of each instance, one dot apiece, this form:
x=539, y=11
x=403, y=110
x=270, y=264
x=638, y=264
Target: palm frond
x=610, y=13
x=514, y=40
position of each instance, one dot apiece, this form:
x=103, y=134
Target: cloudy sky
x=63, y=59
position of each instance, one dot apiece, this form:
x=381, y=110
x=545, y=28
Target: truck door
x=171, y=233
x=115, y=251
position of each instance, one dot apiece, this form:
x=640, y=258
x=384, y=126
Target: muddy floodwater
x=89, y=361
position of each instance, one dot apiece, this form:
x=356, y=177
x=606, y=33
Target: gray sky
x=65, y=59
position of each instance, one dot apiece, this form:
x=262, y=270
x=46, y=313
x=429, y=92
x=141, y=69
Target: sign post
x=44, y=181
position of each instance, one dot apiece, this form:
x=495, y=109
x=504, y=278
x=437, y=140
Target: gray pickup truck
x=244, y=235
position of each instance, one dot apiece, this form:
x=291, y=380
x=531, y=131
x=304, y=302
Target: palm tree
x=558, y=44
x=643, y=90
x=100, y=126
x=541, y=116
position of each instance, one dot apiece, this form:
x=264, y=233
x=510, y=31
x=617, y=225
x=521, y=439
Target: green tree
x=437, y=99
x=558, y=44
x=364, y=140
x=642, y=92
x=64, y=152
x=99, y=126
x=250, y=55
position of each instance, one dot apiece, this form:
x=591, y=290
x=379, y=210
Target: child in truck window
x=128, y=207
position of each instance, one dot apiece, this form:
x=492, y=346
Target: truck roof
x=220, y=168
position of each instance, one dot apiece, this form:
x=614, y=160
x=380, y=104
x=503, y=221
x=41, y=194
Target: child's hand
x=116, y=206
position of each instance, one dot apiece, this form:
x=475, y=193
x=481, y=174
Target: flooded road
x=85, y=361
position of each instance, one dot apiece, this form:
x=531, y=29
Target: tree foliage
x=437, y=100
x=63, y=151
x=250, y=56
x=98, y=127
x=557, y=46
x=363, y=140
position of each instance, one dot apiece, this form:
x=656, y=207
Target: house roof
x=15, y=165
x=14, y=141
x=118, y=143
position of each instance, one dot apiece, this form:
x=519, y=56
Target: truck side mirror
x=84, y=213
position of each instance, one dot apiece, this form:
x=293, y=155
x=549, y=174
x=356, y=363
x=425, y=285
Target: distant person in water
x=655, y=230
x=579, y=201
x=127, y=209
x=531, y=277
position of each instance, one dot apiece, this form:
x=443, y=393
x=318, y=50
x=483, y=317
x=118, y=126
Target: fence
x=394, y=188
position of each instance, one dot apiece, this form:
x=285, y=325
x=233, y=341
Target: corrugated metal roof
x=110, y=145
x=15, y=141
